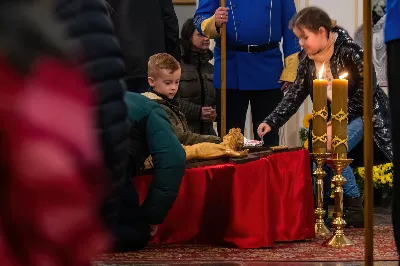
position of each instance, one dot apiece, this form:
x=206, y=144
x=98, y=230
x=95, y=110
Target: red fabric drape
x=248, y=205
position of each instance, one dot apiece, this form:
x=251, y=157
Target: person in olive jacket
x=196, y=94
x=164, y=76
x=149, y=133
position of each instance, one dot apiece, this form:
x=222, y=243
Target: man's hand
x=221, y=16
x=285, y=85
x=153, y=229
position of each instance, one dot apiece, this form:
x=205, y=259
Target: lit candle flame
x=344, y=75
x=321, y=71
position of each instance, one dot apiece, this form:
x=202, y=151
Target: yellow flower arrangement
x=304, y=130
x=382, y=175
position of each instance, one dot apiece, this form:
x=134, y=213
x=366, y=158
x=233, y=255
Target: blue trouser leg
x=355, y=132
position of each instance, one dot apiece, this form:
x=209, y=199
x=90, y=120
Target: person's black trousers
x=130, y=230
x=393, y=55
x=262, y=102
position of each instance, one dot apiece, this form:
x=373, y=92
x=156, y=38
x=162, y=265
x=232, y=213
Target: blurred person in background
x=51, y=175
x=89, y=24
x=392, y=39
x=196, y=94
x=144, y=28
x=379, y=55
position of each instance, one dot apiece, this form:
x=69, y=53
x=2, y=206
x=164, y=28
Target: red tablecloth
x=248, y=205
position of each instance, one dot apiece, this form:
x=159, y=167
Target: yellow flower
x=305, y=144
x=361, y=172
x=306, y=120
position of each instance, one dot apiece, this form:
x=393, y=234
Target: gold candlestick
x=338, y=239
x=339, y=115
x=319, y=145
x=320, y=158
x=320, y=112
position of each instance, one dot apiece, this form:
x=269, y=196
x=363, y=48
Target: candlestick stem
x=320, y=158
x=338, y=239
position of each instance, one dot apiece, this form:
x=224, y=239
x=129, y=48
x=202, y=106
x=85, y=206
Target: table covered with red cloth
x=249, y=205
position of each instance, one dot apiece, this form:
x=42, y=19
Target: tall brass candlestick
x=339, y=116
x=319, y=141
x=339, y=159
x=320, y=114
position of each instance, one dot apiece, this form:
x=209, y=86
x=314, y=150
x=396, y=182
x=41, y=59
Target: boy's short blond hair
x=162, y=61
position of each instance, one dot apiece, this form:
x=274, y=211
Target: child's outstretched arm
x=292, y=100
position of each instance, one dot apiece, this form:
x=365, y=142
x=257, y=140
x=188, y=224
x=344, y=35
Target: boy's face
x=166, y=83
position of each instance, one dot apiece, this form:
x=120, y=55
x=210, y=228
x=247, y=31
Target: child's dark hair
x=312, y=19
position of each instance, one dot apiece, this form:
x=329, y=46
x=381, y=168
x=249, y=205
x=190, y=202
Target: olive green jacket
x=179, y=123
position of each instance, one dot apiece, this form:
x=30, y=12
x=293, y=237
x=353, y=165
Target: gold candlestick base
x=338, y=239
x=320, y=156
x=320, y=227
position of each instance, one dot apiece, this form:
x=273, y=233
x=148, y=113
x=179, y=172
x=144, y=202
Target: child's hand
x=285, y=85
x=263, y=129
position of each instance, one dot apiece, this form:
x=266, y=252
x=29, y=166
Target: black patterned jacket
x=347, y=57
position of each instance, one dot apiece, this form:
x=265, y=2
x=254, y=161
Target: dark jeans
x=138, y=85
x=262, y=104
x=393, y=55
x=355, y=132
